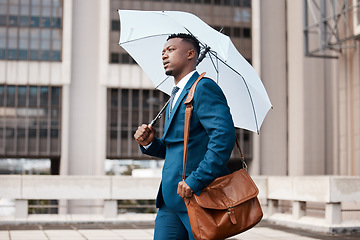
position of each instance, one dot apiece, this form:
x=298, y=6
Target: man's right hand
x=145, y=134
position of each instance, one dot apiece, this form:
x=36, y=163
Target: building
x=307, y=54
x=71, y=94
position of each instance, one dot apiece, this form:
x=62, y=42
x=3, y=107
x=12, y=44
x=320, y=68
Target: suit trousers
x=172, y=225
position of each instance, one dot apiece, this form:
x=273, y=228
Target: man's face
x=175, y=56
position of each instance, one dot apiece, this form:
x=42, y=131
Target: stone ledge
x=314, y=224
x=78, y=219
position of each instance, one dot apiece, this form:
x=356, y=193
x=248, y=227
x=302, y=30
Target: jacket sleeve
x=156, y=149
x=211, y=108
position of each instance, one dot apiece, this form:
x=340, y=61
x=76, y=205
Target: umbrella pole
x=153, y=122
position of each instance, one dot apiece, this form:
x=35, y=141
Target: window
x=115, y=58
x=31, y=117
x=246, y=3
x=227, y=2
x=237, y=32
x=31, y=30
x=237, y=2
x=2, y=95
x=123, y=58
x=227, y=31
x=247, y=33
x=2, y=42
x=127, y=109
x=115, y=25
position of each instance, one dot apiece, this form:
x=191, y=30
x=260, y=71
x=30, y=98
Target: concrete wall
x=334, y=192
x=273, y=134
x=314, y=127
x=348, y=93
x=86, y=153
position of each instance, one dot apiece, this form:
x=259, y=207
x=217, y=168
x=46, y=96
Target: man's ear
x=191, y=54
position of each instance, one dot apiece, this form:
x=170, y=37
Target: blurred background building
x=307, y=54
x=69, y=95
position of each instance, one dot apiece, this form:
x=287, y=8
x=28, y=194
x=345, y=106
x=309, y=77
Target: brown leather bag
x=229, y=205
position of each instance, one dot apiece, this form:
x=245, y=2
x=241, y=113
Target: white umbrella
x=144, y=33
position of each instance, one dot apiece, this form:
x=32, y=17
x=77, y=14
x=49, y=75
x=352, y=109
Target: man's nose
x=164, y=56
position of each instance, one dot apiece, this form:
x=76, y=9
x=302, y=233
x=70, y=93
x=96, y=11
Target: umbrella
x=144, y=33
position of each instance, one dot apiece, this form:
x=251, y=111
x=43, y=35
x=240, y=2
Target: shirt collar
x=181, y=84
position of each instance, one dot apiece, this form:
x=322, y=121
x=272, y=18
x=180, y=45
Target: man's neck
x=178, y=78
x=181, y=84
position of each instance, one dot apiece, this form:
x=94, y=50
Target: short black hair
x=188, y=38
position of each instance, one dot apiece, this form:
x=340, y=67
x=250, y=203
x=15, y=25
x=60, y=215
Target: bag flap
x=228, y=191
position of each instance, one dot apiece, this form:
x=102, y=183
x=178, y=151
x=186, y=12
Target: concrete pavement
x=144, y=231
x=129, y=227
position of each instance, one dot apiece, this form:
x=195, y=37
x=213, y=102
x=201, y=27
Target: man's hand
x=145, y=134
x=184, y=190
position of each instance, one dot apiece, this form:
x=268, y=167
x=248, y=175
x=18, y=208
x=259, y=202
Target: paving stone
x=4, y=235
x=140, y=231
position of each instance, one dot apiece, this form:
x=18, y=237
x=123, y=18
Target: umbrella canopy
x=144, y=33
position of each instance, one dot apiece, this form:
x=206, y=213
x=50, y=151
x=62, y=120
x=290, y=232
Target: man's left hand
x=184, y=190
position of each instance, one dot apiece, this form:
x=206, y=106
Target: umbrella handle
x=153, y=122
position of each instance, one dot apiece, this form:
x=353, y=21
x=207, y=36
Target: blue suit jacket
x=211, y=140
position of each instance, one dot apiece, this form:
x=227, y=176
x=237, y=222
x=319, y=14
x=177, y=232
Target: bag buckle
x=231, y=214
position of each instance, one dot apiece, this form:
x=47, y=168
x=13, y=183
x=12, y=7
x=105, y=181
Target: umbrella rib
x=247, y=88
x=215, y=67
x=142, y=38
x=206, y=46
x=202, y=44
x=162, y=82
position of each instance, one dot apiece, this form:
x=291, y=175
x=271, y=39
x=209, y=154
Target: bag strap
x=188, y=112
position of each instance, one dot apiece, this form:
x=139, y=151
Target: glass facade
x=30, y=120
x=31, y=30
x=358, y=12
x=233, y=16
x=127, y=109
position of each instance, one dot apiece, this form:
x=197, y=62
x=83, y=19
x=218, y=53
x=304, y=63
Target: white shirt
x=181, y=84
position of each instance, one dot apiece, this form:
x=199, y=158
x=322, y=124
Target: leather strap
x=188, y=112
x=191, y=93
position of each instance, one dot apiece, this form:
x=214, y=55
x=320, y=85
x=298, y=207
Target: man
x=211, y=140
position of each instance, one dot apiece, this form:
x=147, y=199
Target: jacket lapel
x=178, y=102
